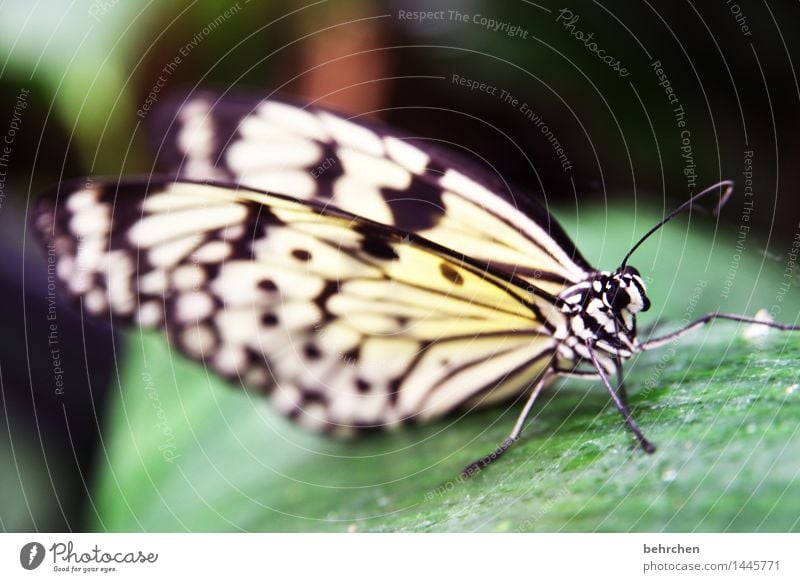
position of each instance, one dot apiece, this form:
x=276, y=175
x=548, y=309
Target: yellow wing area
x=348, y=323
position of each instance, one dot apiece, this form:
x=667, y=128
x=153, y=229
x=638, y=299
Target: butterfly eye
x=616, y=297
x=621, y=300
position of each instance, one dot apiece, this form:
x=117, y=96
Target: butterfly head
x=603, y=309
x=623, y=292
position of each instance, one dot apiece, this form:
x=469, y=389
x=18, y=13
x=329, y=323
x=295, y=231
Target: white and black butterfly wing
x=312, y=153
x=347, y=322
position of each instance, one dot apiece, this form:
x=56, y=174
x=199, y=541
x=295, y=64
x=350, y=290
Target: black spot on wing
x=313, y=394
x=376, y=247
x=326, y=172
x=449, y=273
x=267, y=285
x=301, y=255
x=417, y=208
x=312, y=352
x=211, y=270
x=269, y=319
x=350, y=357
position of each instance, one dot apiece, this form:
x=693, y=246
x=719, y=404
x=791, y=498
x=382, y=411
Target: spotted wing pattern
x=347, y=322
x=312, y=153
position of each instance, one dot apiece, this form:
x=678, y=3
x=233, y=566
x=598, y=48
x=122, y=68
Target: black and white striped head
x=603, y=309
x=623, y=292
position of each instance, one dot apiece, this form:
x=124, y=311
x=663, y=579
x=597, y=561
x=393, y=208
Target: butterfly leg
x=620, y=403
x=484, y=462
x=671, y=337
x=622, y=391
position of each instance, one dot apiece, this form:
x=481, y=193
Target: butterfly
x=360, y=277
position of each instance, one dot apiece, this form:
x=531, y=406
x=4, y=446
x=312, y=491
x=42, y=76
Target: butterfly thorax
x=602, y=310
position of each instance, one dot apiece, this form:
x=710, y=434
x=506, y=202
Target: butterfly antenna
x=727, y=184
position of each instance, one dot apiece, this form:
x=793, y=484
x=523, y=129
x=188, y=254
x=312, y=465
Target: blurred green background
x=722, y=408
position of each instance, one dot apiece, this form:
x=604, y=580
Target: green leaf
x=185, y=452
x=80, y=52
